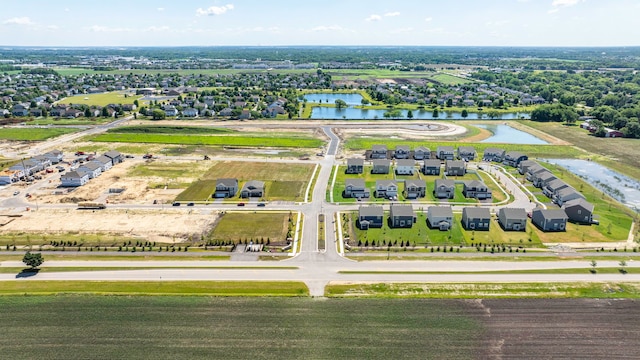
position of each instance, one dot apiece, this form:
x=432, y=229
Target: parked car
x=240, y=204
x=129, y=156
x=190, y=204
x=78, y=153
x=262, y=204
x=16, y=193
x=176, y=204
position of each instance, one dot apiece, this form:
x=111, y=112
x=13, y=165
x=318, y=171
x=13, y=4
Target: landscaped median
x=202, y=288
x=485, y=290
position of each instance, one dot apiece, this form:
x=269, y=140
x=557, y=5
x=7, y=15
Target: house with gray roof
x=466, y=153
x=431, y=167
x=401, y=216
x=379, y=152
x=421, y=153
x=444, y=189
x=455, y=168
x=534, y=172
x=55, y=156
x=74, y=179
x=476, y=218
x=405, y=167
x=402, y=152
x=493, y=154
x=355, y=166
x=387, y=189
x=579, y=211
x=543, y=178
x=526, y=165
x=476, y=189
x=414, y=188
x=440, y=217
x=567, y=194
x=370, y=217
x=512, y=219
x=553, y=186
x=513, y=158
x=105, y=162
x=549, y=219
x=225, y=188
x=445, y=152
x=355, y=188
x=381, y=166
x=115, y=156
x=252, y=188
x=92, y=168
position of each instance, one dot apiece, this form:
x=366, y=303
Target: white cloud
x=558, y=4
x=497, y=23
x=53, y=27
x=66, y=9
x=395, y=13
x=157, y=28
x=428, y=19
x=328, y=28
x=106, y=29
x=374, y=17
x=214, y=10
x=19, y=21
x=402, y=30
x=160, y=9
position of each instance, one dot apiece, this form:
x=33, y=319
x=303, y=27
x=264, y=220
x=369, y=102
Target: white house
x=74, y=179
x=105, y=162
x=405, y=167
x=94, y=169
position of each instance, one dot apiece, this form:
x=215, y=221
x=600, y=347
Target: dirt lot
x=159, y=226
x=560, y=329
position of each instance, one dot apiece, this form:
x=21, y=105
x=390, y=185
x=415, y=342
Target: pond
x=352, y=113
x=330, y=98
x=508, y=135
x=614, y=184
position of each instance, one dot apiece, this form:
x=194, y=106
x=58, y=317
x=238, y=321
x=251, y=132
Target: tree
x=449, y=102
x=340, y=104
x=623, y=265
x=593, y=267
x=464, y=114
x=410, y=114
x=158, y=114
x=435, y=113
x=32, y=260
x=136, y=103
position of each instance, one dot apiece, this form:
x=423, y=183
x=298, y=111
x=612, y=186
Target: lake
x=330, y=98
x=614, y=184
x=509, y=135
x=352, y=113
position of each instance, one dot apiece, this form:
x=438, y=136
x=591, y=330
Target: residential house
x=35, y=112
x=115, y=156
x=54, y=156
x=381, y=166
x=549, y=219
x=93, y=169
x=379, y=152
x=355, y=166
x=370, y=217
x=26, y=167
x=226, y=112
x=512, y=219
x=534, y=172
x=20, y=110
x=526, y=165
x=455, y=168
x=444, y=189
x=476, y=218
x=466, y=153
x=414, y=189
x=42, y=161
x=421, y=153
x=386, y=189
x=543, y=178
x=190, y=112
x=355, y=188
x=440, y=217
x=493, y=154
x=104, y=162
x=476, y=189
x=553, y=186
x=402, y=152
x=431, y=167
x=401, y=216
x=129, y=107
x=225, y=188
x=405, y=167
x=445, y=152
x=58, y=111
x=513, y=158
x=170, y=110
x=74, y=179
x=567, y=194
x=579, y=211
x=244, y=115
x=10, y=176
x=252, y=188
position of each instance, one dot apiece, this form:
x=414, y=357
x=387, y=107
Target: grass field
x=32, y=133
x=182, y=130
x=103, y=99
x=245, y=140
x=79, y=121
x=448, y=79
x=241, y=226
x=167, y=327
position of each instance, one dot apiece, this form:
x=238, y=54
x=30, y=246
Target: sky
x=324, y=22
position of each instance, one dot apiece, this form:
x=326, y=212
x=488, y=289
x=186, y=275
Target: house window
x=579, y=212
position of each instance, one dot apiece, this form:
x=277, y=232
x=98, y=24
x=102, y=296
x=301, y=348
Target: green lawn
x=32, y=133
x=200, y=190
x=246, y=140
x=103, y=99
x=182, y=130
x=246, y=226
x=199, y=327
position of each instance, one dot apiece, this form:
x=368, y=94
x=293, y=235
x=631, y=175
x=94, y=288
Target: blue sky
x=325, y=22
